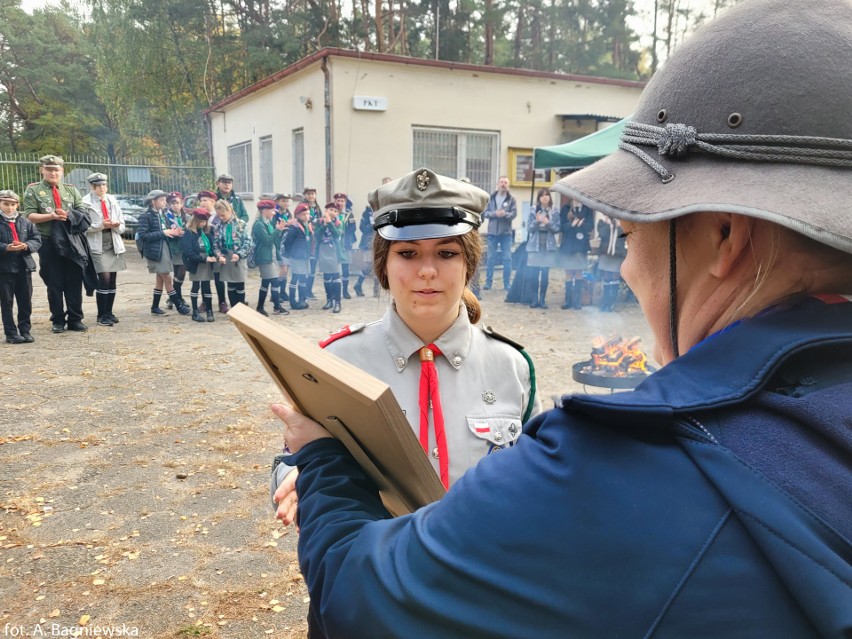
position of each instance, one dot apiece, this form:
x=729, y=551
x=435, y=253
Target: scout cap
x=51, y=160
x=424, y=205
x=283, y=196
x=153, y=195
x=749, y=116
x=340, y=196
x=332, y=205
x=265, y=204
x=308, y=189
x=208, y=194
x=174, y=196
x=8, y=194
x=225, y=177
x=201, y=214
x=96, y=178
x=302, y=207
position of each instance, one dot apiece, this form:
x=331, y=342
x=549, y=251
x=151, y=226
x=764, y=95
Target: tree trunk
x=489, y=32
x=380, y=30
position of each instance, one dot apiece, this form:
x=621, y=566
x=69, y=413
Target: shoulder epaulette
x=341, y=332
x=32, y=183
x=492, y=333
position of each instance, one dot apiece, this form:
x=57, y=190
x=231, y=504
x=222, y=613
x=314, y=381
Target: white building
x=341, y=120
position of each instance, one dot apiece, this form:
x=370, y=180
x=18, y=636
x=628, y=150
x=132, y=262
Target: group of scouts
x=79, y=241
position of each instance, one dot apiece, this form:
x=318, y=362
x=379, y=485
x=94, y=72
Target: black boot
x=282, y=287
x=196, y=316
x=155, y=304
x=579, y=287
x=109, y=306
x=569, y=296
x=261, y=300
x=179, y=304
x=337, y=289
x=357, y=288
x=329, y=295
x=309, y=293
x=542, y=295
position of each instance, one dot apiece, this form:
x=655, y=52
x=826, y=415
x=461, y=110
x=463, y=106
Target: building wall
x=368, y=145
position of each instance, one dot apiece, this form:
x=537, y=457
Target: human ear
x=731, y=235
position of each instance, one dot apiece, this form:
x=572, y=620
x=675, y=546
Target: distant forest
x=130, y=78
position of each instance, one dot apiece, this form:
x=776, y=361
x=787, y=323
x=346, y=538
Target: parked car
x=133, y=208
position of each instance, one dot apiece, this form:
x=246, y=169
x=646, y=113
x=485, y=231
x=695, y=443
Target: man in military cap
x=50, y=204
x=225, y=191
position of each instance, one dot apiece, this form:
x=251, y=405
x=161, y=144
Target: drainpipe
x=327, y=114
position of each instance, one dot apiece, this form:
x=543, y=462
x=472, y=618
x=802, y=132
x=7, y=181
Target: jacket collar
x=730, y=366
x=402, y=343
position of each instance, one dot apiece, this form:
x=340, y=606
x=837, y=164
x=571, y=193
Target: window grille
x=458, y=153
x=239, y=165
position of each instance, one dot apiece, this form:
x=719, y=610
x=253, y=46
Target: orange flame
x=617, y=357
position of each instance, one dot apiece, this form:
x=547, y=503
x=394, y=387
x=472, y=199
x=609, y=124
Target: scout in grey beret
x=423, y=205
x=153, y=195
x=8, y=194
x=51, y=160
x=750, y=116
x=225, y=177
x=97, y=178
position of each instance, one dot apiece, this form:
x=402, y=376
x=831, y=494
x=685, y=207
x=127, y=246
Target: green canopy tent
x=579, y=153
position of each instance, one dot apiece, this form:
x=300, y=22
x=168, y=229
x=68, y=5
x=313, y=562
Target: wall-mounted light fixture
x=306, y=101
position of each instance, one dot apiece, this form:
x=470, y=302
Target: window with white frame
x=267, y=185
x=458, y=153
x=298, y=160
x=239, y=165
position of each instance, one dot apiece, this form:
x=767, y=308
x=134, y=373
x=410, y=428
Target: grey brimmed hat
x=8, y=194
x=153, y=195
x=96, y=178
x=749, y=116
x=424, y=205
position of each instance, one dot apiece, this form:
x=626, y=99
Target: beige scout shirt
x=484, y=383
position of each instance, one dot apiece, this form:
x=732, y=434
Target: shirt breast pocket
x=491, y=433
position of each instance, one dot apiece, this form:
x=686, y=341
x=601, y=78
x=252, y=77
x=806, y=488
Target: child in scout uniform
x=207, y=200
x=199, y=258
x=49, y=203
x=542, y=245
x=176, y=217
x=105, y=244
x=154, y=232
x=611, y=253
x=225, y=191
x=19, y=239
x=349, y=239
x=296, y=247
x=266, y=237
x=577, y=222
x=231, y=244
x=309, y=195
x=280, y=221
x=483, y=385
x=327, y=250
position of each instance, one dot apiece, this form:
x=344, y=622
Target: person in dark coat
x=199, y=257
x=577, y=222
x=19, y=239
x=296, y=246
x=266, y=238
x=611, y=253
x=713, y=500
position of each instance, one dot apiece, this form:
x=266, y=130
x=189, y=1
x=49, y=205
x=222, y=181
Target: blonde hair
x=193, y=222
x=223, y=205
x=471, y=245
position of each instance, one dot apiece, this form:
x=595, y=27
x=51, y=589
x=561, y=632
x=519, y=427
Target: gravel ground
x=134, y=464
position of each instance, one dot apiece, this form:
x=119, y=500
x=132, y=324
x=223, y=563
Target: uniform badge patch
x=42, y=193
x=489, y=397
x=423, y=180
x=48, y=209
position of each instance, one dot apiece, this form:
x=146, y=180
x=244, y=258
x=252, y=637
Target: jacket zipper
x=700, y=426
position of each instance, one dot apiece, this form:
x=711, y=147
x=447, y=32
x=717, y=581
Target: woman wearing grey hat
x=154, y=232
x=105, y=244
x=713, y=500
x=426, y=250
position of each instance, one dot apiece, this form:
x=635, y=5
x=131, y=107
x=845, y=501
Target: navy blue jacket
x=192, y=250
x=712, y=501
x=295, y=244
x=366, y=227
x=18, y=261
x=150, y=232
x=576, y=237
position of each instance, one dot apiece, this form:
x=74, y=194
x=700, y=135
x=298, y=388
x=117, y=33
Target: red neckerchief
x=429, y=391
x=104, y=210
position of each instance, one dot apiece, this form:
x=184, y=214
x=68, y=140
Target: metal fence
x=135, y=176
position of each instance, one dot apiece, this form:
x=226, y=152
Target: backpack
x=140, y=243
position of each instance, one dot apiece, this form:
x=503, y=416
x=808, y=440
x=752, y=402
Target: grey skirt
x=108, y=261
x=573, y=261
x=544, y=259
x=203, y=273
x=327, y=261
x=164, y=265
x=300, y=267
x=610, y=263
x=346, y=257
x=233, y=271
x=268, y=271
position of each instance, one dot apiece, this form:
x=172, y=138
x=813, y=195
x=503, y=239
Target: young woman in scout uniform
x=154, y=232
x=309, y=195
x=231, y=243
x=199, y=257
x=577, y=222
x=265, y=237
x=105, y=244
x=326, y=242
x=611, y=253
x=348, y=239
x=543, y=227
x=207, y=200
x=177, y=218
x=426, y=251
x=280, y=221
x=19, y=239
x=296, y=246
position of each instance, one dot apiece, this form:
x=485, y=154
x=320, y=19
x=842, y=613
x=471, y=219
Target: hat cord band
x=676, y=140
